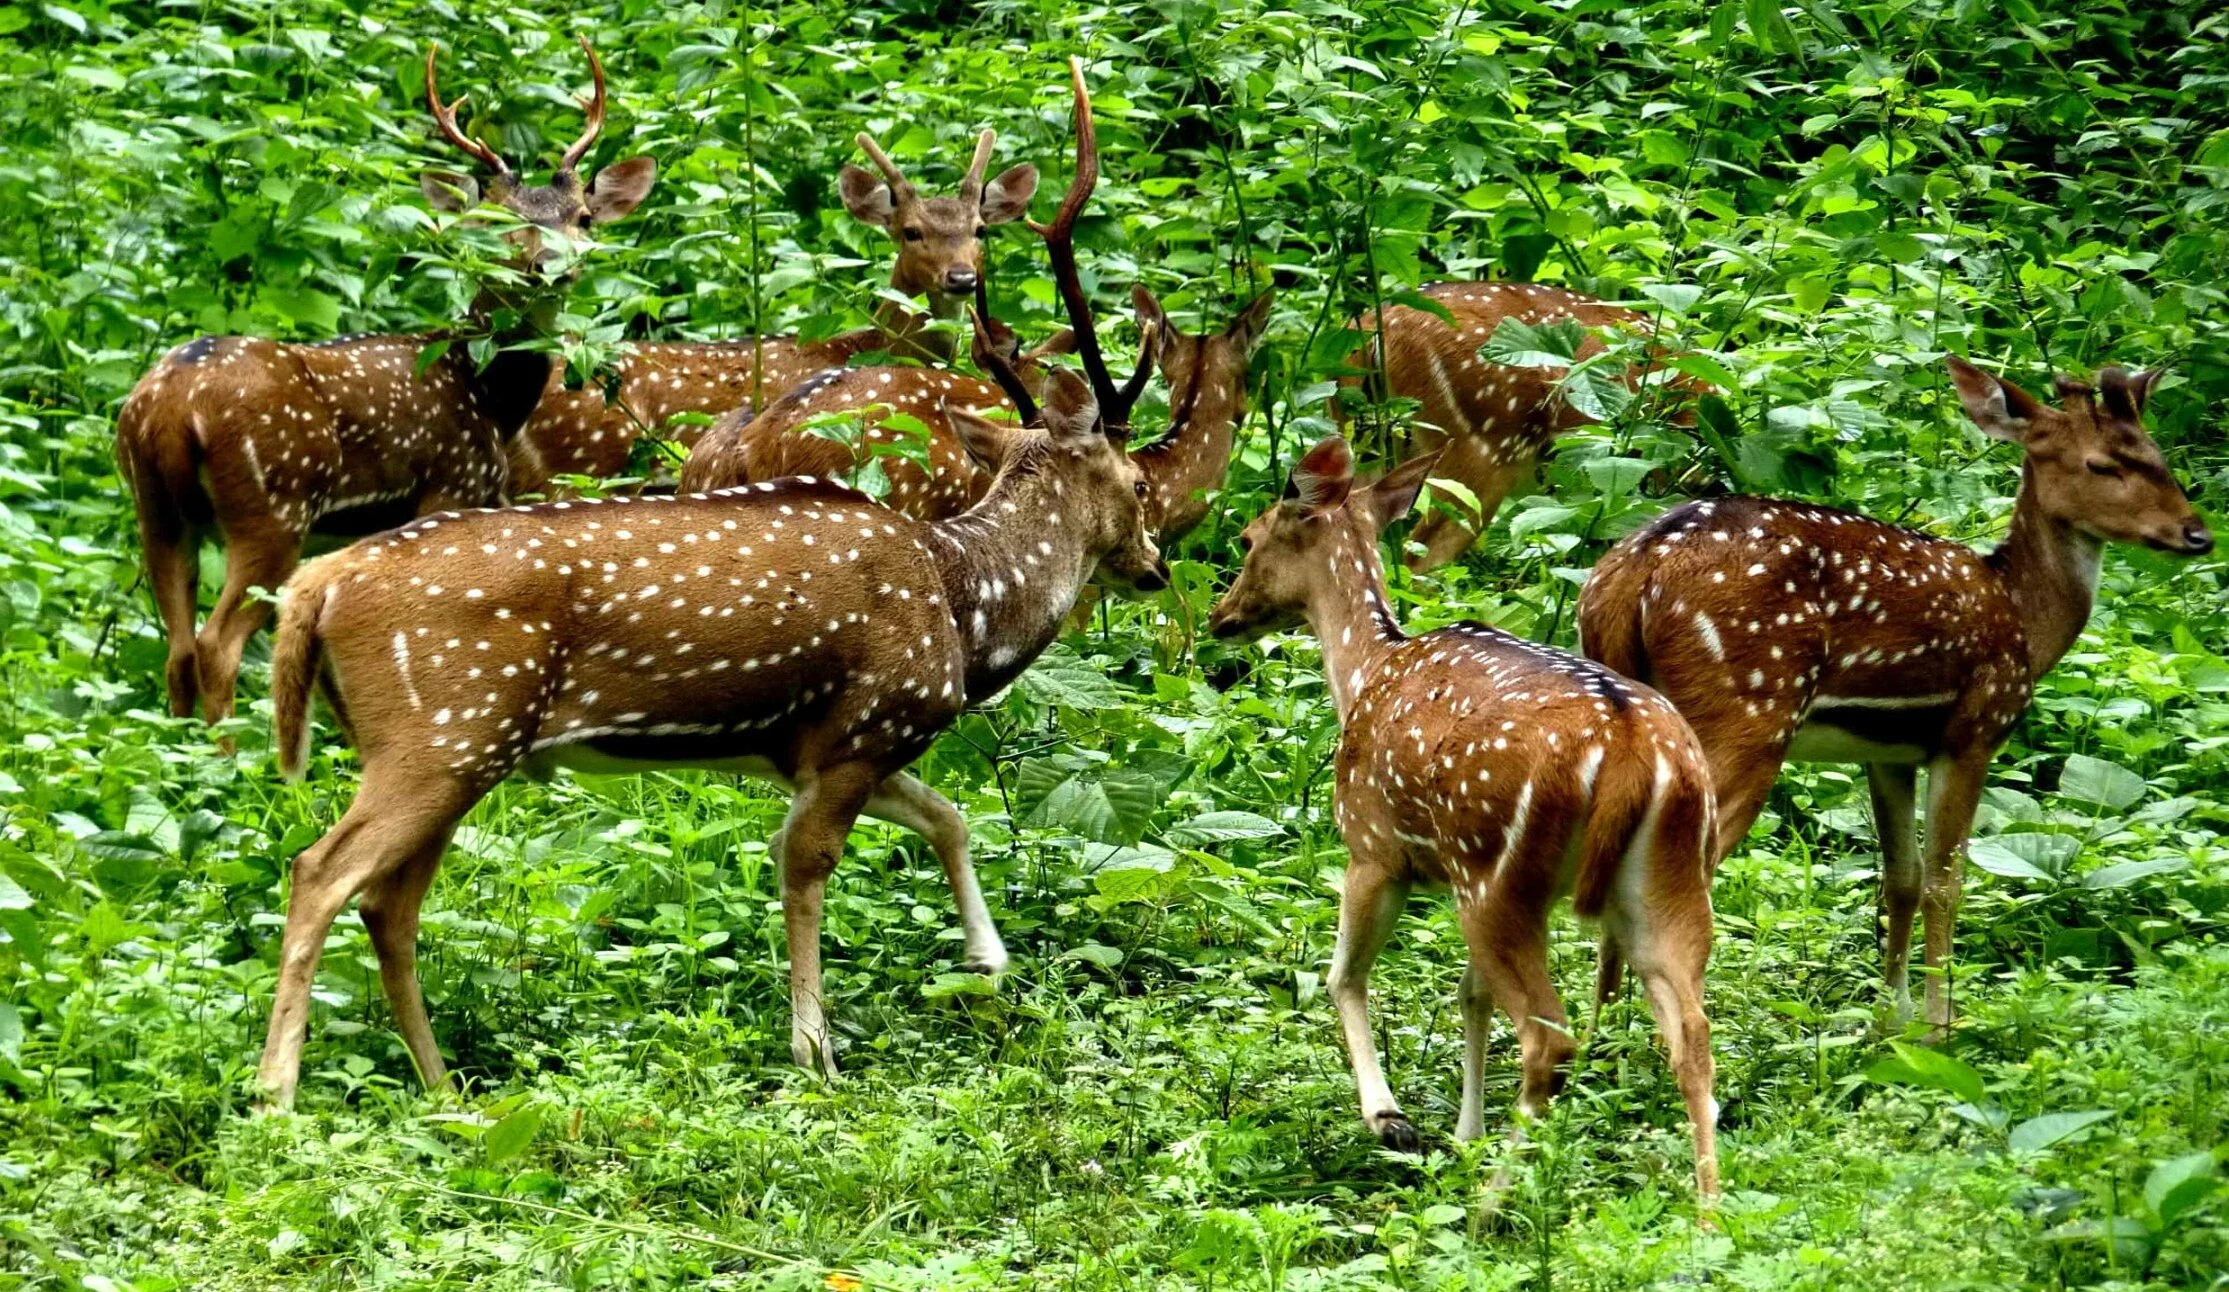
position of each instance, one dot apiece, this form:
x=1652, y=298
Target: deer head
x=940, y=239
x=1324, y=527
x=565, y=205
x=2090, y=464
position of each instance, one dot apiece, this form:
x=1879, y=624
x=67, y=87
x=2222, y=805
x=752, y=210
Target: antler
x=446, y=118
x=1115, y=402
x=595, y=106
x=900, y=187
x=971, y=188
x=989, y=351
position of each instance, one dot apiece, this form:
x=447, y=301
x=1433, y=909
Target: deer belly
x=627, y=755
x=1872, y=729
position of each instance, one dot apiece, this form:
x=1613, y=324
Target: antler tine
x=988, y=358
x=971, y=188
x=1060, y=248
x=595, y=107
x=446, y=118
x=900, y=187
x=1131, y=389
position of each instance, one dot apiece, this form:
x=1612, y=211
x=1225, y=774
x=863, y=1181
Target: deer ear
x=448, y=191
x=620, y=188
x=2140, y=386
x=1245, y=331
x=1061, y=342
x=1070, y=413
x=1152, y=319
x=1392, y=497
x=2002, y=410
x=867, y=198
x=1007, y=197
x=1324, y=475
x=984, y=441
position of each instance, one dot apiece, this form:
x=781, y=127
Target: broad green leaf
x=1916, y=1065
x=1071, y=685
x=1222, y=827
x=2093, y=780
x=2123, y=873
x=2038, y=1133
x=2025, y=855
x=510, y=1136
x=2178, y=1184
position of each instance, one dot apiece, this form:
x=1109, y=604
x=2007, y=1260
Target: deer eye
x=1246, y=544
x=1140, y=487
x=2103, y=467
x=981, y=233
x=913, y=235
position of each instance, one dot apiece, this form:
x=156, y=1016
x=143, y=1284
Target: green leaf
x=947, y=985
x=13, y=896
x=2039, y=1133
x=1222, y=827
x=11, y=1032
x=2093, y=780
x=1916, y=1065
x=1521, y=345
x=1071, y=685
x=2122, y=874
x=2178, y=1184
x=509, y=1137
x=1105, y=957
x=2028, y=855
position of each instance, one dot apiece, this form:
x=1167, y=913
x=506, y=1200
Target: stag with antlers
x=1786, y=630
x=940, y=259
x=1206, y=374
x=267, y=443
x=792, y=630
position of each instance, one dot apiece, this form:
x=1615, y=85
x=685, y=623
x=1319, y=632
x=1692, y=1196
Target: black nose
x=2197, y=539
x=1155, y=579
x=1223, y=626
x=960, y=279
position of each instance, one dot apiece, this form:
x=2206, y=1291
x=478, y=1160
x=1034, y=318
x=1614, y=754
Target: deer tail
x=294, y=664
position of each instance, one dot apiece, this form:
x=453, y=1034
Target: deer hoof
x=990, y=963
x=1396, y=1132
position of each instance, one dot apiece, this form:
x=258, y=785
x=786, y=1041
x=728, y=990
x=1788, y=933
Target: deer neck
x=1011, y=571
x=1194, y=455
x=2051, y=570
x=1348, y=612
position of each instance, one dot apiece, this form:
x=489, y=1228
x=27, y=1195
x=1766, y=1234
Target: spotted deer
x=1511, y=773
x=1206, y=374
x=268, y=443
x=792, y=630
x=1488, y=422
x=1786, y=630
x=940, y=259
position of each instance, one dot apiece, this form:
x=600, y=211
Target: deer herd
x=764, y=618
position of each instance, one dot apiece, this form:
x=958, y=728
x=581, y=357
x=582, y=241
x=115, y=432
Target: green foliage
x=1812, y=202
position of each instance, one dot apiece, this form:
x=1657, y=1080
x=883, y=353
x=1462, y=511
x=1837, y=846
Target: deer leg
x=1509, y=946
x=1478, y=1016
x=904, y=800
x=1953, y=793
x=1609, y=970
x=251, y=560
x=174, y=574
x=827, y=802
x=1893, y=786
x=1669, y=940
x=1369, y=904
x=389, y=909
x=396, y=817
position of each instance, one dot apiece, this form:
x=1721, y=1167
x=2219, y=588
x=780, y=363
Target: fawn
x=1510, y=772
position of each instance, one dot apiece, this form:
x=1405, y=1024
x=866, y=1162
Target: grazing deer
x=269, y=443
x=1207, y=384
x=940, y=257
x=1508, y=771
x=1786, y=630
x=1488, y=422
x=793, y=630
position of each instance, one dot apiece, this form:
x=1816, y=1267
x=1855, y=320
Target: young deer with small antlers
x=1207, y=400
x=1785, y=630
x=268, y=443
x=1488, y=422
x=940, y=258
x=792, y=630
x=1509, y=772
